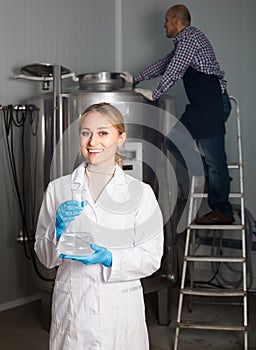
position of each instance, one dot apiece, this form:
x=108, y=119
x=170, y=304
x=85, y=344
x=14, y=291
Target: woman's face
x=99, y=139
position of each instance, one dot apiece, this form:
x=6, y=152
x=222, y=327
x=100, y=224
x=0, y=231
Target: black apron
x=204, y=116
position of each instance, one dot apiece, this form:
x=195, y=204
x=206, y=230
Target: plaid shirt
x=192, y=49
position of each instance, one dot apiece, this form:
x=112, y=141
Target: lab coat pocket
x=134, y=304
x=61, y=307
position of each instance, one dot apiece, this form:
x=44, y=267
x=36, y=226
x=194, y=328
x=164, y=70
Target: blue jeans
x=217, y=174
x=215, y=164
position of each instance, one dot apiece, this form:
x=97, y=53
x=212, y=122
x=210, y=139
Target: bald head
x=176, y=19
x=181, y=12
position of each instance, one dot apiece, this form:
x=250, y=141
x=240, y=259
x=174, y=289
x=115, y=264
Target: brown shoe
x=215, y=217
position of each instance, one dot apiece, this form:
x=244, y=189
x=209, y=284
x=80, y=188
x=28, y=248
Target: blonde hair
x=112, y=114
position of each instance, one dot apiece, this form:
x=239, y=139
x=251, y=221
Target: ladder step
x=234, y=166
x=216, y=227
x=214, y=258
x=205, y=195
x=223, y=327
x=213, y=293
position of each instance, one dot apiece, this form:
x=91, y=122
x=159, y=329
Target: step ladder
x=192, y=257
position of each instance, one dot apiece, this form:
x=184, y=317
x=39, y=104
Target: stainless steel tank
x=147, y=124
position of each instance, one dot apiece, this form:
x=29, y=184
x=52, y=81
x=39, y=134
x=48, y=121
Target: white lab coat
x=97, y=307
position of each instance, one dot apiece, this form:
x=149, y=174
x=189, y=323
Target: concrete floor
x=21, y=328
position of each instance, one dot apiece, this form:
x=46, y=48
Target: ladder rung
x=216, y=227
x=213, y=293
x=214, y=258
x=223, y=327
x=234, y=166
x=205, y=195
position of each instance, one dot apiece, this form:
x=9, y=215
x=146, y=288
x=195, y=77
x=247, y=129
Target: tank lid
x=101, y=81
x=42, y=70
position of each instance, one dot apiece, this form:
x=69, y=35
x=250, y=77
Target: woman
x=98, y=298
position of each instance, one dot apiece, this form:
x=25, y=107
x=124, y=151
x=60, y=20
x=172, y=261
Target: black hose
x=17, y=117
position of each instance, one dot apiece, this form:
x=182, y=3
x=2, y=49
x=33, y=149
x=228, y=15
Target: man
x=194, y=61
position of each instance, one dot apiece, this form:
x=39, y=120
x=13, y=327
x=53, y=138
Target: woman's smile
x=99, y=139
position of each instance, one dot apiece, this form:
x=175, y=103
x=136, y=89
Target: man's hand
x=147, y=93
x=127, y=76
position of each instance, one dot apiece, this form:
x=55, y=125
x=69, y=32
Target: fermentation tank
x=55, y=150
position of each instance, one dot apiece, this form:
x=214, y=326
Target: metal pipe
x=118, y=36
x=57, y=120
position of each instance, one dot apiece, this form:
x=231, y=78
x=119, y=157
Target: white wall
x=77, y=34
x=80, y=34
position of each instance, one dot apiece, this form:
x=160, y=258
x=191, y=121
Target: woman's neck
x=98, y=176
x=108, y=169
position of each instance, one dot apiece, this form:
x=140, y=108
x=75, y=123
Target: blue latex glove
x=66, y=213
x=100, y=256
